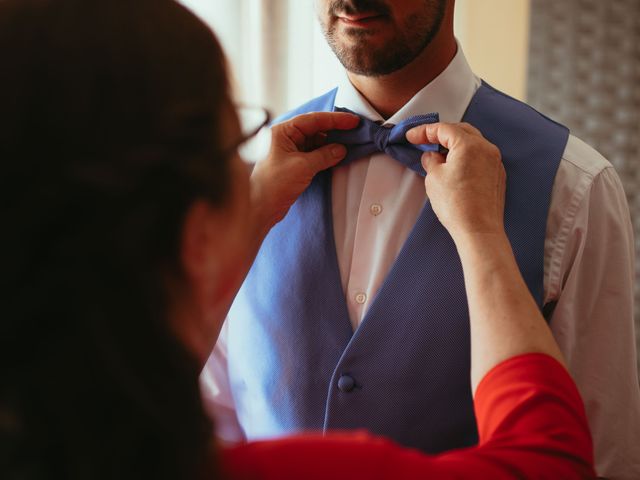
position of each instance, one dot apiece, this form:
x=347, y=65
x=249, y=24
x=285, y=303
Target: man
x=347, y=343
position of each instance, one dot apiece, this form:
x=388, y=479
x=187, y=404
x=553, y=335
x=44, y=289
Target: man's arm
x=590, y=280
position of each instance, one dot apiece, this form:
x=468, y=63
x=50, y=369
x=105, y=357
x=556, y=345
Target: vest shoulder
x=323, y=103
x=510, y=110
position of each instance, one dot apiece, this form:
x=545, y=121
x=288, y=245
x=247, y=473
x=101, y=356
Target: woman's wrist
x=261, y=223
x=487, y=246
x=262, y=215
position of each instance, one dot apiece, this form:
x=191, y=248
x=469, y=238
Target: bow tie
x=369, y=137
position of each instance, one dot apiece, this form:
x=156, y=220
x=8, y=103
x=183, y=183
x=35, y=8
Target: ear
x=200, y=235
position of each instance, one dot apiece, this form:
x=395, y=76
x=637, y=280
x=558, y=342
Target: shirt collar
x=449, y=94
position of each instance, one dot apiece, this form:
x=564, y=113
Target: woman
x=130, y=222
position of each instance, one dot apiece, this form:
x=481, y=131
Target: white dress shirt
x=588, y=266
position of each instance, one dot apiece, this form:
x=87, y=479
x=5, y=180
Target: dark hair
x=109, y=130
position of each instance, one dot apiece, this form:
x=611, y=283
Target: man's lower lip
x=362, y=22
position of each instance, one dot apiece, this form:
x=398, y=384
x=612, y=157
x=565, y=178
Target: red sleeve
x=530, y=418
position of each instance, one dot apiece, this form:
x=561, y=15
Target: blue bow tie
x=369, y=137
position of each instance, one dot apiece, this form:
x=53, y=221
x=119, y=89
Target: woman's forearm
x=504, y=318
x=467, y=192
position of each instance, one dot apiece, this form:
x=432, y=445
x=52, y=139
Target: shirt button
x=375, y=209
x=346, y=383
x=361, y=298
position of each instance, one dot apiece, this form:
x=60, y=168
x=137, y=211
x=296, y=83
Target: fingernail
x=338, y=151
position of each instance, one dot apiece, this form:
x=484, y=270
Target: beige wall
x=495, y=38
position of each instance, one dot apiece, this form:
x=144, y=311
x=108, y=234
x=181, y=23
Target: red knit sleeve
x=530, y=418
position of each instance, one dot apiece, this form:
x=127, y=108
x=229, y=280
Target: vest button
x=346, y=383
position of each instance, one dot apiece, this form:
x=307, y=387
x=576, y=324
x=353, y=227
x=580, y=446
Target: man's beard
x=411, y=38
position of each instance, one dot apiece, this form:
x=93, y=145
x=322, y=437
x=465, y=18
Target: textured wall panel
x=584, y=71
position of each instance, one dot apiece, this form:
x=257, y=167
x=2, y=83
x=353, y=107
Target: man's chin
x=362, y=43
x=365, y=53
x=363, y=68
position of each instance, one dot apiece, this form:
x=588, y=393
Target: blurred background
x=577, y=61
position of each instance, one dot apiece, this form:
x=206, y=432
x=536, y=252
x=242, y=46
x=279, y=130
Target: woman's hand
x=467, y=187
x=467, y=191
x=298, y=152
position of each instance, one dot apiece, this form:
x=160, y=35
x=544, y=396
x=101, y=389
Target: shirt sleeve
x=530, y=417
x=216, y=393
x=591, y=282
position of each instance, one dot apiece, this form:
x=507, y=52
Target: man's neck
x=389, y=93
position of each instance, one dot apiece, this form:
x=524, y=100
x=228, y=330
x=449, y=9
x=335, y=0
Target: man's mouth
x=361, y=20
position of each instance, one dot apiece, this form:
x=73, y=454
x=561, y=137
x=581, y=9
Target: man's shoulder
x=581, y=165
x=584, y=157
x=577, y=153
x=322, y=103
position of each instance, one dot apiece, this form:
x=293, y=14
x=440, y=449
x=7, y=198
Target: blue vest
x=294, y=361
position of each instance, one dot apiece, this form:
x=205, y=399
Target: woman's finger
x=431, y=160
x=445, y=134
x=311, y=124
x=319, y=140
x=324, y=157
x=304, y=129
x=470, y=129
